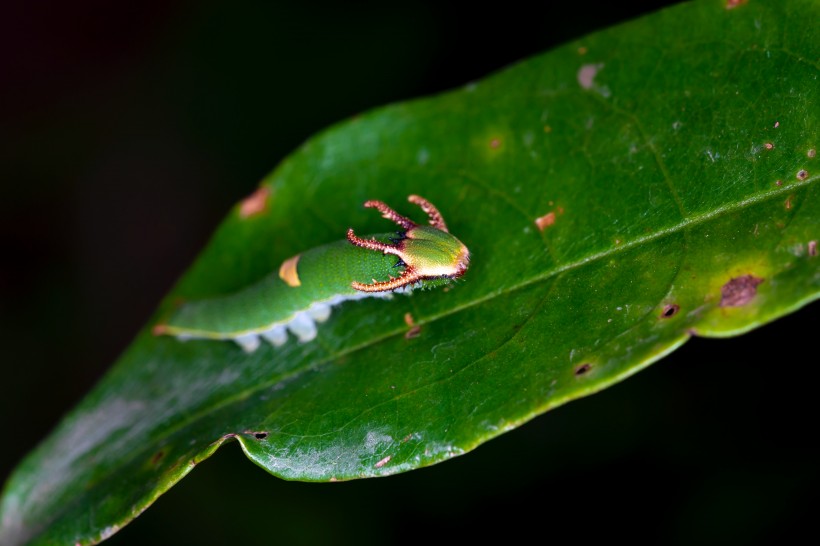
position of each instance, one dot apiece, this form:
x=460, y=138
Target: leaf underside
x=618, y=195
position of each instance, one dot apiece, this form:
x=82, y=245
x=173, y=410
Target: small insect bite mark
x=260, y=435
x=414, y=330
x=384, y=461
x=582, y=369
x=739, y=291
x=159, y=330
x=255, y=203
x=288, y=272
x=586, y=75
x=670, y=310
x=543, y=222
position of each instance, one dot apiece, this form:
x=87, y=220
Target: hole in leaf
x=670, y=310
x=583, y=368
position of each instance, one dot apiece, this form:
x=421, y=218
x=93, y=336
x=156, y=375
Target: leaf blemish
x=670, y=310
x=586, y=75
x=802, y=174
x=811, y=153
x=543, y=222
x=495, y=143
x=583, y=369
x=739, y=291
x=414, y=330
x=732, y=4
x=260, y=435
x=769, y=146
x=254, y=204
x=157, y=457
x=812, y=248
x=384, y=461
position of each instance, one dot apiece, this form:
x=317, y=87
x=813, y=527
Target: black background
x=126, y=133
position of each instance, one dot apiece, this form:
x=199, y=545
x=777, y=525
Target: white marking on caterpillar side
x=276, y=336
x=248, y=342
x=303, y=327
x=319, y=311
x=303, y=323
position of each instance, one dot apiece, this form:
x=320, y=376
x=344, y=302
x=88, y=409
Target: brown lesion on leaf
x=254, y=204
x=384, y=461
x=811, y=154
x=670, y=310
x=582, y=369
x=543, y=222
x=769, y=146
x=414, y=330
x=739, y=291
x=802, y=174
x=812, y=248
x=732, y=4
x=160, y=329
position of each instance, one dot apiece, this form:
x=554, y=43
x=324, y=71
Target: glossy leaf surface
x=618, y=195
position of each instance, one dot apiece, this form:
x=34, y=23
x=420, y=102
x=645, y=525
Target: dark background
x=126, y=133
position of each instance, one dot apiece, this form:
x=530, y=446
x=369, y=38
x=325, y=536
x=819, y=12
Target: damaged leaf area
x=670, y=143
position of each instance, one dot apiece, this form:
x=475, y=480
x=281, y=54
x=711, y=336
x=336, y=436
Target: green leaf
x=618, y=195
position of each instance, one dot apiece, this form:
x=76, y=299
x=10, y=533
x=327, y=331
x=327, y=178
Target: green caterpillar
x=308, y=285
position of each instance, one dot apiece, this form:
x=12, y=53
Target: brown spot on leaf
x=670, y=310
x=255, y=203
x=778, y=183
x=384, y=461
x=812, y=248
x=732, y=4
x=581, y=369
x=582, y=50
x=495, y=143
x=157, y=457
x=802, y=174
x=547, y=129
x=414, y=330
x=789, y=202
x=160, y=329
x=586, y=74
x=545, y=221
x=769, y=146
x=811, y=153
x=739, y=291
